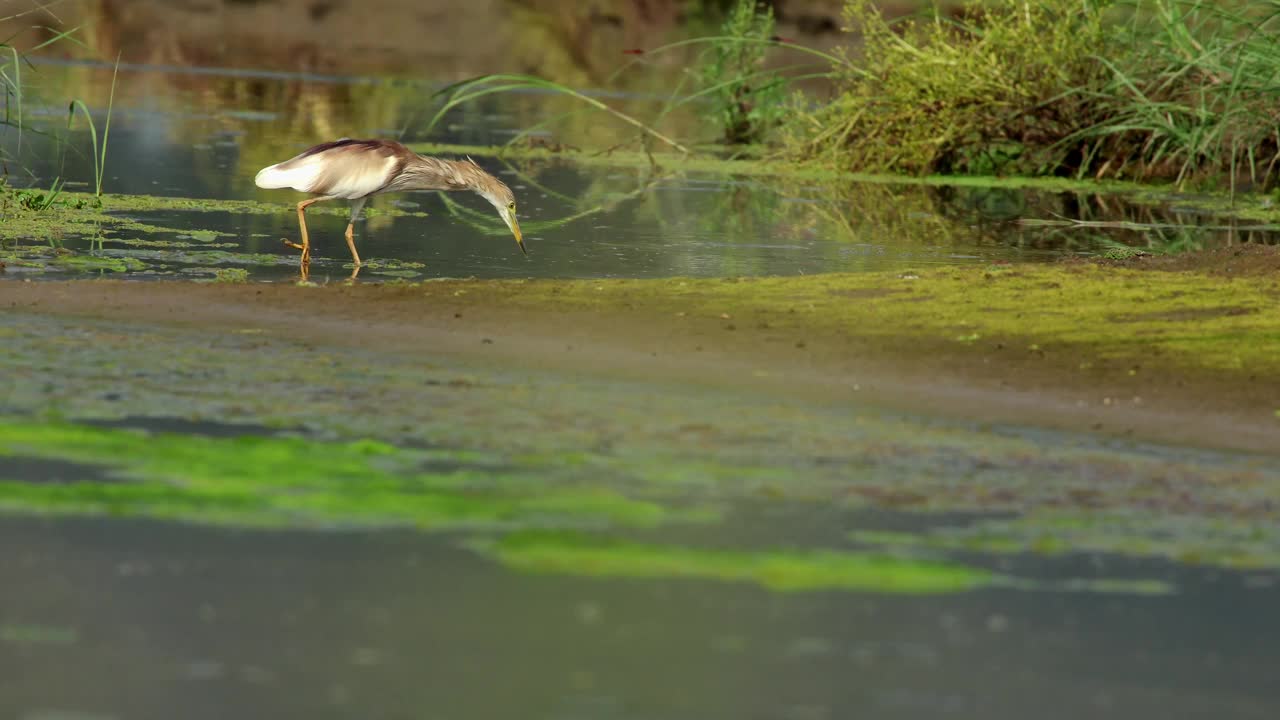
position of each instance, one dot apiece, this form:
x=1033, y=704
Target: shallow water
x=205, y=136
x=218, y=623
x=262, y=553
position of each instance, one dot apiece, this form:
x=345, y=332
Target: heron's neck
x=435, y=173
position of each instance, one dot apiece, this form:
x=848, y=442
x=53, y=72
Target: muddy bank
x=1167, y=356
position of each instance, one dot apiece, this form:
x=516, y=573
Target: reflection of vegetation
x=915, y=218
x=592, y=202
x=1130, y=238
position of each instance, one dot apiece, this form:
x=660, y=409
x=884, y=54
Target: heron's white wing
x=300, y=173
x=347, y=169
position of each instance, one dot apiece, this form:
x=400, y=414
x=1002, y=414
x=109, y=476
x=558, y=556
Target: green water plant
x=12, y=87
x=14, y=91
x=36, y=200
x=99, y=149
x=484, y=85
x=728, y=75
x=747, y=102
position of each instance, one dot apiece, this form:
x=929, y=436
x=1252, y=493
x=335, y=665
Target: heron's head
x=504, y=201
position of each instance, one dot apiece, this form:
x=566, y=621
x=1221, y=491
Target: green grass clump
x=935, y=95
x=1179, y=90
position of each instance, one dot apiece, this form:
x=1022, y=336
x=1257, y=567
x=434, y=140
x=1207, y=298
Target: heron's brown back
x=343, y=168
x=353, y=169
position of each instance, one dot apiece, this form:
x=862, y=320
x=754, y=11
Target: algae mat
x=478, y=428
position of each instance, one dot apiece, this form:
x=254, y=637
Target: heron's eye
x=511, y=206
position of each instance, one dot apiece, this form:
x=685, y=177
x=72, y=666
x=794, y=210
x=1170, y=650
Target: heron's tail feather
x=300, y=176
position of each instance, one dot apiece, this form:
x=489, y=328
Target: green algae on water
x=230, y=275
x=1100, y=314
x=1242, y=542
x=569, y=553
x=115, y=203
x=33, y=634
x=97, y=263
x=292, y=482
x=781, y=570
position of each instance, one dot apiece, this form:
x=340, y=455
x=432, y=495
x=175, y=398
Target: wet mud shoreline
x=720, y=334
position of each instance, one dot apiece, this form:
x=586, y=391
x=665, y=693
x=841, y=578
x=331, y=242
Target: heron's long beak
x=515, y=229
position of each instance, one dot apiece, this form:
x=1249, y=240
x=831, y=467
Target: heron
x=352, y=170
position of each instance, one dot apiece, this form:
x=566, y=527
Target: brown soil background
x=442, y=39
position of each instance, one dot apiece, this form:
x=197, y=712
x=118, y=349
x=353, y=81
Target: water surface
x=204, y=136
x=217, y=623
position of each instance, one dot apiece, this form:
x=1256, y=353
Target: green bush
x=1194, y=97
x=982, y=95
x=1144, y=89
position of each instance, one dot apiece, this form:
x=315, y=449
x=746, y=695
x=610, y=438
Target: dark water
x=147, y=620
x=204, y=136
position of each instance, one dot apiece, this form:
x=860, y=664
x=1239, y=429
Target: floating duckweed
x=230, y=275
x=97, y=263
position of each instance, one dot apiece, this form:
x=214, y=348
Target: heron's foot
x=306, y=251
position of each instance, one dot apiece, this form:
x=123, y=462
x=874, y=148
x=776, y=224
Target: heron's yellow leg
x=305, y=247
x=351, y=243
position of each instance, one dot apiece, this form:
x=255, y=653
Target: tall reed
x=99, y=150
